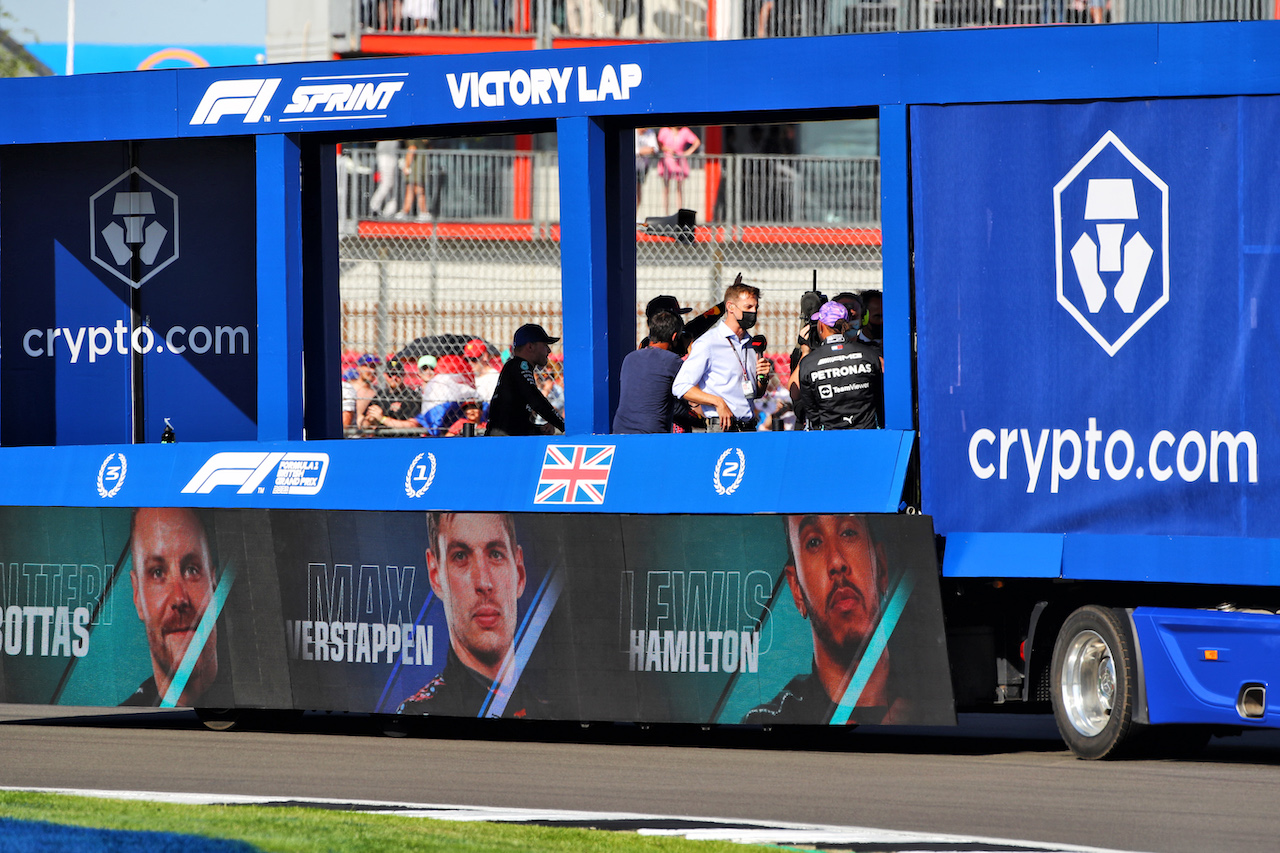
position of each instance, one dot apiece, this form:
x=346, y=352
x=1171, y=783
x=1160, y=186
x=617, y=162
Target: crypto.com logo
x=133, y=227
x=1111, y=221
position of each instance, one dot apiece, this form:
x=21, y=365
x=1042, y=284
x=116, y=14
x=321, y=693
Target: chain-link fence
x=684, y=20
x=483, y=258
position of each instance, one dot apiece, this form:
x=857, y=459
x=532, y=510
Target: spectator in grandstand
x=442, y=396
x=389, y=16
x=473, y=415
x=397, y=406
x=676, y=144
x=485, y=365
x=349, y=375
x=476, y=569
x=426, y=369
x=415, y=176
x=872, y=331
x=361, y=389
x=386, y=155
x=645, y=401
x=551, y=382
x=839, y=580
x=776, y=407
x=173, y=585
x=422, y=15
x=720, y=373
x=787, y=19
x=517, y=398
x=840, y=384
x=646, y=156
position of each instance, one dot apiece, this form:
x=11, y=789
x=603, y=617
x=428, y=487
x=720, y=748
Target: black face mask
x=748, y=320
x=874, y=330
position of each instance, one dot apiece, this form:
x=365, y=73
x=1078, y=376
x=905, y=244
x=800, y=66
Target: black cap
x=659, y=304
x=531, y=333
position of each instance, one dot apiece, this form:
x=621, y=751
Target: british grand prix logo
x=1111, y=225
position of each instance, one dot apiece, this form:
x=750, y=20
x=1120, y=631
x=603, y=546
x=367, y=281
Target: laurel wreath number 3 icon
x=110, y=472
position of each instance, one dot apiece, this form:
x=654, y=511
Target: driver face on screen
x=477, y=570
x=836, y=581
x=172, y=586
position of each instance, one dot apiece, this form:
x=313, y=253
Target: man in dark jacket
x=645, y=401
x=517, y=398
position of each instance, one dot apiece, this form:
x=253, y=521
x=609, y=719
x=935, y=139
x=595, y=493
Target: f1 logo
x=248, y=98
x=1111, y=221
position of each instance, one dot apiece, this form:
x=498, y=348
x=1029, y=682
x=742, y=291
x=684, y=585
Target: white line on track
x=694, y=828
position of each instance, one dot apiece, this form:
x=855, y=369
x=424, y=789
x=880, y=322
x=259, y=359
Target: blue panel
x=734, y=473
x=895, y=252
x=89, y=108
x=986, y=555
x=92, y=402
x=58, y=299
x=201, y=308
x=1032, y=63
x=1186, y=685
x=584, y=273
x=1025, y=381
x=1172, y=559
x=279, y=289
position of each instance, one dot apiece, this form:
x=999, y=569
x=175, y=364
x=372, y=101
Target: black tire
x=1094, y=683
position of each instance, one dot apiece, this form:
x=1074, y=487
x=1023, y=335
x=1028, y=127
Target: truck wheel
x=1093, y=674
x=220, y=719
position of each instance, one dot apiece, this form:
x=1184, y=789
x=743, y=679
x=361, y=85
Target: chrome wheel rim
x=1088, y=683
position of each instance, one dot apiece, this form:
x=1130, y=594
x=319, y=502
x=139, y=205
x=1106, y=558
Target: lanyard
x=740, y=357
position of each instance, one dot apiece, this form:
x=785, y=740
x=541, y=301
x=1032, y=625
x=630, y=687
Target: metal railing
x=483, y=255
x=677, y=20
x=522, y=187
x=686, y=20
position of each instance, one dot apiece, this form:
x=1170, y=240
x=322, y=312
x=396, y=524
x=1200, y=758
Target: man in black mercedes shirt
x=841, y=383
x=517, y=398
x=838, y=579
x=173, y=584
x=476, y=569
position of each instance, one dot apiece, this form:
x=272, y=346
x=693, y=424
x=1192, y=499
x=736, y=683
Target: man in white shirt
x=719, y=376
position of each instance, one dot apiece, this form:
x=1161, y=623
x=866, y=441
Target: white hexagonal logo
x=133, y=227
x=1111, y=226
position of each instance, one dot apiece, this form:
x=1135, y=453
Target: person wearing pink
x=676, y=144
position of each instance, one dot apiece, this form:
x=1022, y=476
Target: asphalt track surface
x=996, y=776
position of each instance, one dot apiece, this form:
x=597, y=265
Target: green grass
x=299, y=830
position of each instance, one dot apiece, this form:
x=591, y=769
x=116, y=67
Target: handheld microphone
x=758, y=344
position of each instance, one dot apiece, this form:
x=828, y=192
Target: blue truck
x=1078, y=230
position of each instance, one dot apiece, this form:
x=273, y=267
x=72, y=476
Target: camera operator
x=840, y=383
x=806, y=342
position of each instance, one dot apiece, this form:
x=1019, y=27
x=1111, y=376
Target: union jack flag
x=574, y=474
